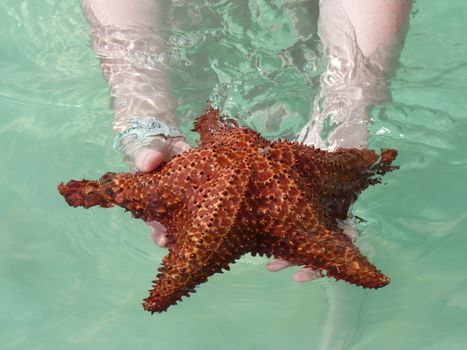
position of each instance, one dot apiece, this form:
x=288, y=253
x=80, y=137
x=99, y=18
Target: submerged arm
x=362, y=41
x=133, y=54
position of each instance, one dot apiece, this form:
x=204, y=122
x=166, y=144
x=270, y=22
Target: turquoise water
x=74, y=279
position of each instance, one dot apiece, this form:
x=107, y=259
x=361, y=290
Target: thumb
x=147, y=156
x=148, y=159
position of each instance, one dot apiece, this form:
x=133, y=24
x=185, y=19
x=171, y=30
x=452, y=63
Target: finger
x=147, y=159
x=158, y=238
x=158, y=234
x=179, y=145
x=278, y=264
x=305, y=275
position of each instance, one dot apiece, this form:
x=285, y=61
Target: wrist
x=145, y=127
x=149, y=134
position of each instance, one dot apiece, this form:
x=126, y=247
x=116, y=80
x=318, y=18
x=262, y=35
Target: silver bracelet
x=145, y=127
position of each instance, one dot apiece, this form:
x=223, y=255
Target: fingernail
x=162, y=241
x=277, y=265
x=147, y=160
x=305, y=275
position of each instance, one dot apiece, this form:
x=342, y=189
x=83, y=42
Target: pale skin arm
x=138, y=88
x=375, y=23
x=362, y=41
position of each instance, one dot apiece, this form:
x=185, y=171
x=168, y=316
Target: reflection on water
x=74, y=279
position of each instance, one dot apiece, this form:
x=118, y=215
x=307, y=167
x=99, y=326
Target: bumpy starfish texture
x=238, y=193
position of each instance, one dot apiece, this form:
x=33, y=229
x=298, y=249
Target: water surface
x=74, y=278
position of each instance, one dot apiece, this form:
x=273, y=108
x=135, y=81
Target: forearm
x=132, y=53
x=362, y=43
x=376, y=21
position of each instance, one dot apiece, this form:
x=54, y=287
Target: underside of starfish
x=238, y=193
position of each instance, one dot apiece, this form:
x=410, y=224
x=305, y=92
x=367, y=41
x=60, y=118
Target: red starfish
x=238, y=193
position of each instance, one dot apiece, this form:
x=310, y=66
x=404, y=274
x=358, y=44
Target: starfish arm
x=111, y=189
x=328, y=250
x=208, y=245
x=337, y=178
x=84, y=193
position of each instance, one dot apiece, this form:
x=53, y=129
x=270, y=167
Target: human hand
x=145, y=157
